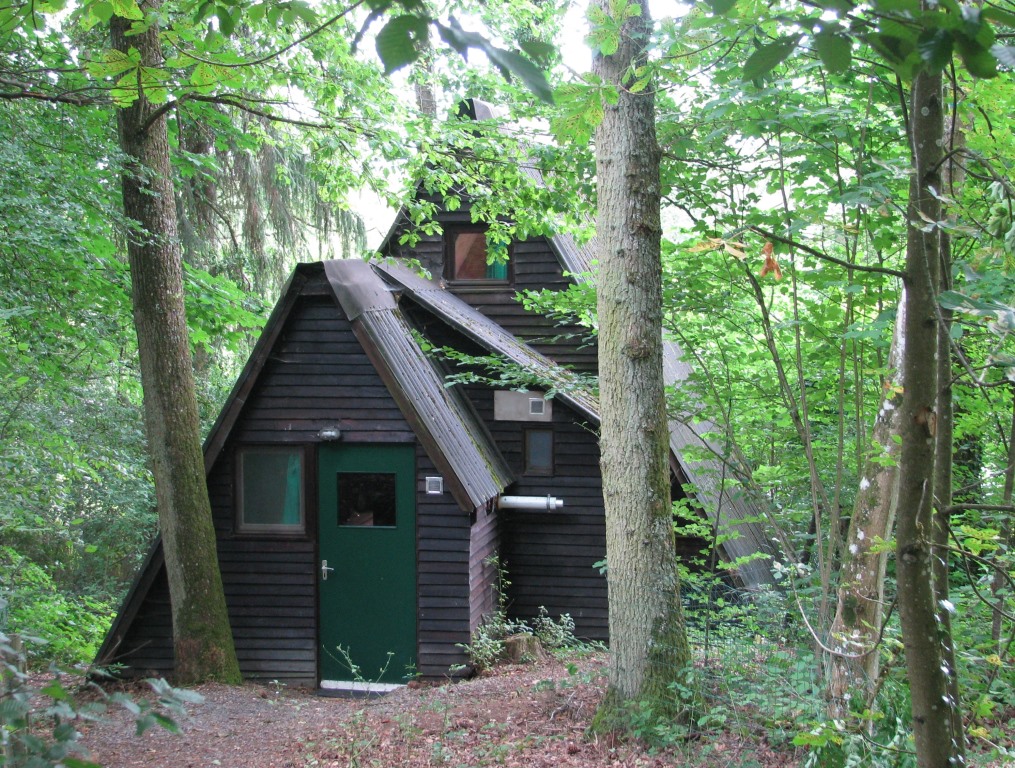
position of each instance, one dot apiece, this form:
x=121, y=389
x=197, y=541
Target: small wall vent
x=521, y=406
x=434, y=486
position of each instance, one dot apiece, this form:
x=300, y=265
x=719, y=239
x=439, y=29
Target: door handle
x=324, y=570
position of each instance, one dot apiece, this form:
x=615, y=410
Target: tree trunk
x=860, y=608
x=944, y=454
x=924, y=636
x=201, y=634
x=648, y=642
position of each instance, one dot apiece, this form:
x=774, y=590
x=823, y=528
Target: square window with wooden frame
x=269, y=490
x=467, y=257
x=538, y=445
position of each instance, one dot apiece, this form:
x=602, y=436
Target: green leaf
x=899, y=53
x=524, y=70
x=956, y=300
x=835, y=51
x=112, y=62
x=768, y=57
x=127, y=9
x=935, y=47
x=979, y=61
x=722, y=7
x=579, y=112
x=604, y=32
x=304, y=12
x=204, y=78
x=227, y=18
x=540, y=52
x=125, y=92
x=398, y=43
x=103, y=10
x=508, y=62
x=153, y=84
x=1001, y=16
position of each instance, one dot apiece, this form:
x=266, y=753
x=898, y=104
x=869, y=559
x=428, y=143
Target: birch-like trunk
x=648, y=643
x=860, y=607
x=202, y=637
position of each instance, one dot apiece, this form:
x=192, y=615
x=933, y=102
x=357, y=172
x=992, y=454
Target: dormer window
x=468, y=257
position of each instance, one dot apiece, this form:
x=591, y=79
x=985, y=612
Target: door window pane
x=270, y=490
x=366, y=498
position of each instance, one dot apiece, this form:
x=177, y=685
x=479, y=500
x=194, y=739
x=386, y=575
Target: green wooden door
x=367, y=533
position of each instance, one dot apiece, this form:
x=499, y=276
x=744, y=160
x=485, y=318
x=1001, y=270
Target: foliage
x=487, y=645
x=69, y=627
x=35, y=735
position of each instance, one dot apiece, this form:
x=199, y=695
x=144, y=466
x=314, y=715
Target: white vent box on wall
x=521, y=406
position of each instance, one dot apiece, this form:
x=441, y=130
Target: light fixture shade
x=329, y=434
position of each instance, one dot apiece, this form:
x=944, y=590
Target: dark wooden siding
x=316, y=375
x=534, y=267
x=147, y=646
x=270, y=584
x=442, y=577
x=549, y=556
x=484, y=553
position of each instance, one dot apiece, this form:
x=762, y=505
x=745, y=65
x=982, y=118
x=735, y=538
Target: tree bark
x=944, y=455
x=924, y=635
x=201, y=634
x=859, y=613
x=648, y=642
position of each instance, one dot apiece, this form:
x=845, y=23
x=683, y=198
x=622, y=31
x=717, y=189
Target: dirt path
x=533, y=716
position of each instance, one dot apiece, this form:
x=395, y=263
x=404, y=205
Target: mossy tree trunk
x=201, y=634
x=648, y=643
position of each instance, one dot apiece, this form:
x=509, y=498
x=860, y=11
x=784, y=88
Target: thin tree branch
x=825, y=257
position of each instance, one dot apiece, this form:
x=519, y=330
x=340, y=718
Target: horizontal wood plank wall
x=549, y=556
x=534, y=267
x=147, y=646
x=442, y=577
x=270, y=584
x=317, y=375
x=484, y=556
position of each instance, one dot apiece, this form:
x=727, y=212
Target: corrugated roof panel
x=490, y=335
x=714, y=484
x=446, y=423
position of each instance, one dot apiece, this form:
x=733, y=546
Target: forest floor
x=531, y=715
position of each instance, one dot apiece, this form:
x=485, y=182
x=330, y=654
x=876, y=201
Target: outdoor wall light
x=329, y=434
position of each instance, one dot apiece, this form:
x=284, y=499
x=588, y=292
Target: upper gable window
x=468, y=257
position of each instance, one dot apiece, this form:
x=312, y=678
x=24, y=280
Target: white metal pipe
x=530, y=503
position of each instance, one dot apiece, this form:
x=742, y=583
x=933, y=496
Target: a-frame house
x=362, y=504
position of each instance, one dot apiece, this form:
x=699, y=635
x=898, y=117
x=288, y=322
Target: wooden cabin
x=359, y=501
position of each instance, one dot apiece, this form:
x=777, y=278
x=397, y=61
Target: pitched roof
x=715, y=486
x=446, y=424
x=444, y=421
x=709, y=479
x=488, y=334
